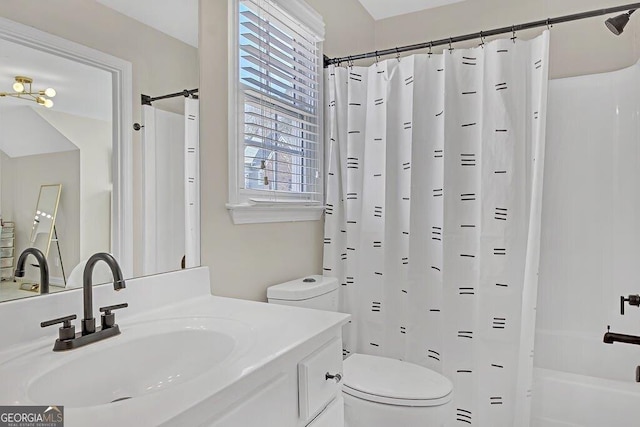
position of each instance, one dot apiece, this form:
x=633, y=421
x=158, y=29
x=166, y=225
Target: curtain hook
x=450, y=47
x=350, y=62
x=397, y=54
x=549, y=26
x=481, y=39
x=377, y=58
x=513, y=30
x=430, y=49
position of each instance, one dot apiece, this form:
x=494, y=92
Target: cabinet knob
x=336, y=377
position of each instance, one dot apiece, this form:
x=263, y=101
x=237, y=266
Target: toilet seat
x=394, y=382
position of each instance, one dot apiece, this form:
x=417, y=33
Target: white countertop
x=273, y=330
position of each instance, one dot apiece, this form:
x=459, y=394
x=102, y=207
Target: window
x=275, y=147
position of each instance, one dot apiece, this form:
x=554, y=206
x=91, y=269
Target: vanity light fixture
x=22, y=89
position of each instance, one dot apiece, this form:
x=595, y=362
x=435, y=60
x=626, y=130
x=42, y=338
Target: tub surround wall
x=590, y=235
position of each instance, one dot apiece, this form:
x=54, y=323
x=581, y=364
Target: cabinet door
x=316, y=387
x=332, y=416
x=266, y=406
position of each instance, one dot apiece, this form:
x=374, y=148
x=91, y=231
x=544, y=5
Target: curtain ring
x=350, y=62
x=430, y=49
x=450, y=47
x=481, y=39
x=549, y=26
x=377, y=58
x=397, y=54
x=513, y=30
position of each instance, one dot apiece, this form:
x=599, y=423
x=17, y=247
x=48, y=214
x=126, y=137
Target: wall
x=581, y=47
x=245, y=259
x=590, y=240
x=161, y=64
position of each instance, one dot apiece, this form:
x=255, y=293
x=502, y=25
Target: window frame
x=248, y=206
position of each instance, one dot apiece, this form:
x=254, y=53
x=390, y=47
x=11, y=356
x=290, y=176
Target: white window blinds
x=279, y=111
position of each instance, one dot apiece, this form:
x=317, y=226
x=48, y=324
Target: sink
x=148, y=357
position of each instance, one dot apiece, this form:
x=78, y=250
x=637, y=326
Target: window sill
x=264, y=213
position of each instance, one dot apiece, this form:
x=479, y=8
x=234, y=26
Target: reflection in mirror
x=86, y=143
x=44, y=220
x=43, y=232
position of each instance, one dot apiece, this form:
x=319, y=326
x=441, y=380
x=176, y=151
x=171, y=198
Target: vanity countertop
x=265, y=333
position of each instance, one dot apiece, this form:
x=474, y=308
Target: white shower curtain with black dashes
x=434, y=190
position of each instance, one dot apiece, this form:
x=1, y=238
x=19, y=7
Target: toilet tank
x=314, y=291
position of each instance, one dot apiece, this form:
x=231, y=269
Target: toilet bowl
x=378, y=391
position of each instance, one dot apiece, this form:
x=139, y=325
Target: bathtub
x=562, y=399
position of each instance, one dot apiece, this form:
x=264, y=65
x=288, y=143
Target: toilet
x=378, y=391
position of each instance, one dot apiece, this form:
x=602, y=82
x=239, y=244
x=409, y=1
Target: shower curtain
x=434, y=184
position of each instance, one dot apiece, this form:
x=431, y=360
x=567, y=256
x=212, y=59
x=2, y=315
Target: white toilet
x=377, y=391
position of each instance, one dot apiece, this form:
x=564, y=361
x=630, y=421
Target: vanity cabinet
x=240, y=364
x=7, y=249
x=297, y=392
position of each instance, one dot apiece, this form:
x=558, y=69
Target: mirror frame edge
x=122, y=121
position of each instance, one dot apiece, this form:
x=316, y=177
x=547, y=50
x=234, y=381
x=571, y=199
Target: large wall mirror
x=86, y=145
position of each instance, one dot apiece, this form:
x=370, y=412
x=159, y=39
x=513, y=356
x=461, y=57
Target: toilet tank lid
x=394, y=379
x=299, y=289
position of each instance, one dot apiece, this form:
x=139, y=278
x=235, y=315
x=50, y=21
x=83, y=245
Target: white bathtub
x=562, y=399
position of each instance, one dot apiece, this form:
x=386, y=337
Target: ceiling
x=82, y=90
x=381, y=9
x=179, y=19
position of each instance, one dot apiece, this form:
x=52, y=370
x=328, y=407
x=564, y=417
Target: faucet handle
x=67, y=331
x=631, y=299
x=108, y=319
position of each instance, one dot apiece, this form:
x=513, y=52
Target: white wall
x=590, y=243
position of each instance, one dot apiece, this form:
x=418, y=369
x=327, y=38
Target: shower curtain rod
x=482, y=34
x=147, y=100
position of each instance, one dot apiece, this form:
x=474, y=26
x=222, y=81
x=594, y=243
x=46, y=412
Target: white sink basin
x=145, y=358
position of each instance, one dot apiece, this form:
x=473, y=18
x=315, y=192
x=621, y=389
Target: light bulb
x=18, y=87
x=48, y=103
x=50, y=92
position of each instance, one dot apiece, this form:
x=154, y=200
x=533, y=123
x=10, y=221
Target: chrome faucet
x=68, y=338
x=42, y=264
x=89, y=322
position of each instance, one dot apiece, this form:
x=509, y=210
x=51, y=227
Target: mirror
x=44, y=219
x=85, y=142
